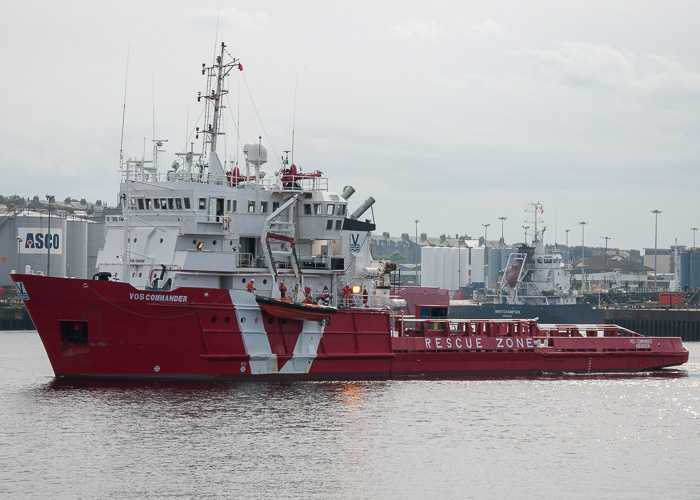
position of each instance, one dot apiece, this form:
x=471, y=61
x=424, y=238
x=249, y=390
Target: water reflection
x=485, y=437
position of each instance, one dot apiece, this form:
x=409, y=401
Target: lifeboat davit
x=294, y=310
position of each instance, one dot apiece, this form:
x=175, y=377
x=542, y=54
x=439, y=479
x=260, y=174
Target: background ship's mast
x=537, y=236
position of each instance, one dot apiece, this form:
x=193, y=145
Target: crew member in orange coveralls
x=251, y=286
x=307, y=296
x=346, y=295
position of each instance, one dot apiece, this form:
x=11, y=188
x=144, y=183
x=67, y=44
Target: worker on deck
x=346, y=295
x=251, y=286
x=307, y=295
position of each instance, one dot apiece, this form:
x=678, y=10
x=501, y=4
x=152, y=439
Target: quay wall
x=684, y=323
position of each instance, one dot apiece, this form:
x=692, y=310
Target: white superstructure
x=200, y=225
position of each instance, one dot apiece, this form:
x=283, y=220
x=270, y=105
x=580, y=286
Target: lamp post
x=459, y=262
x=503, y=241
x=656, y=226
x=417, y=252
x=605, y=265
x=583, y=255
x=486, y=256
x=19, y=264
x=49, y=197
x=693, y=229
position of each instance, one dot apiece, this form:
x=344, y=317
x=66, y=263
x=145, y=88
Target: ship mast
x=537, y=236
x=217, y=72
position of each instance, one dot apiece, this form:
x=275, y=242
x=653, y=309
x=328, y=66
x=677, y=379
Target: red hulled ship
x=192, y=284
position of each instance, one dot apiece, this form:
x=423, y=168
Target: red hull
x=101, y=329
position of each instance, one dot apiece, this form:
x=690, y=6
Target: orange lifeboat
x=295, y=310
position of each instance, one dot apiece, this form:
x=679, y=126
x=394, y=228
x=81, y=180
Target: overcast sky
x=453, y=113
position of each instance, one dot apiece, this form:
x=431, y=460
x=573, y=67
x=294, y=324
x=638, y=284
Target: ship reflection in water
x=490, y=437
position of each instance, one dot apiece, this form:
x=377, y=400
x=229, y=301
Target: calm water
x=555, y=437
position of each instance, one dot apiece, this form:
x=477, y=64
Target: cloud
x=231, y=17
x=588, y=65
x=487, y=30
x=418, y=28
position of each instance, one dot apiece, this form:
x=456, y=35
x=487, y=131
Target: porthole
x=194, y=242
x=264, y=282
x=213, y=243
x=213, y=319
x=227, y=319
x=242, y=320
x=256, y=321
x=161, y=240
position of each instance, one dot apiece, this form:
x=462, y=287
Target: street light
x=583, y=262
x=49, y=197
x=693, y=229
x=503, y=241
x=605, y=266
x=656, y=226
x=19, y=241
x=417, y=251
x=459, y=262
x=486, y=255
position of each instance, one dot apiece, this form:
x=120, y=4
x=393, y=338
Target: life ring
x=225, y=223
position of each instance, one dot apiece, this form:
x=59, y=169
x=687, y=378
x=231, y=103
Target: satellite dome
x=256, y=153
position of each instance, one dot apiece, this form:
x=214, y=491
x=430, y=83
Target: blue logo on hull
x=21, y=290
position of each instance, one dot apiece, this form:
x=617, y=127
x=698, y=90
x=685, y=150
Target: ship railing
x=411, y=326
x=587, y=331
x=273, y=182
x=244, y=260
x=315, y=262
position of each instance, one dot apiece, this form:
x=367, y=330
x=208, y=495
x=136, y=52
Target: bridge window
x=178, y=203
x=149, y=204
x=140, y=203
x=132, y=202
x=275, y=206
x=202, y=203
x=330, y=208
x=338, y=225
x=233, y=207
x=329, y=224
x=251, y=207
x=317, y=209
x=187, y=203
x=341, y=210
x=171, y=204
x=307, y=209
x=156, y=203
x=228, y=205
x=163, y=203
x=263, y=207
